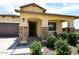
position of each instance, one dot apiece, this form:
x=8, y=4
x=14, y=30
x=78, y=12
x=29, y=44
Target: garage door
x=8, y=29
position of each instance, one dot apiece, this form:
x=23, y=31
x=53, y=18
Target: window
x=52, y=26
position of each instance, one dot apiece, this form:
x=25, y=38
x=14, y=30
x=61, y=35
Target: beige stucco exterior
x=9, y=19
x=34, y=13
x=32, y=8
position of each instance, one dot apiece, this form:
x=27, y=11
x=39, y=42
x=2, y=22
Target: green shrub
x=77, y=36
x=64, y=35
x=62, y=47
x=72, y=39
x=35, y=48
x=51, y=41
x=55, y=34
x=78, y=48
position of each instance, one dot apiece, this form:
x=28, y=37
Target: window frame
x=54, y=24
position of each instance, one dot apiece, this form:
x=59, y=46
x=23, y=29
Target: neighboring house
x=33, y=21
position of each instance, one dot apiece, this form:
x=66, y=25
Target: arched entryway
x=34, y=27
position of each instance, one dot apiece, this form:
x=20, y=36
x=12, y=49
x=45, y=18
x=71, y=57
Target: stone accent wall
x=67, y=29
x=71, y=29
x=44, y=32
x=23, y=34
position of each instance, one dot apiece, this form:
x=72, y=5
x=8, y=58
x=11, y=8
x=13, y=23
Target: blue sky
x=8, y=7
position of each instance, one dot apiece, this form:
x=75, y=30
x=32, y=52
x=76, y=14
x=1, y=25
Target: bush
x=78, y=48
x=55, y=34
x=72, y=39
x=77, y=36
x=51, y=41
x=63, y=35
x=35, y=48
x=62, y=47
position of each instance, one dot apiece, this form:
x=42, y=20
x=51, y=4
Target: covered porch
x=35, y=23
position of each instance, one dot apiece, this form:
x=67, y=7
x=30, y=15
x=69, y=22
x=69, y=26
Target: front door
x=32, y=28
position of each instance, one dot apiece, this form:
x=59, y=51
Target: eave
x=9, y=15
x=33, y=4
x=75, y=17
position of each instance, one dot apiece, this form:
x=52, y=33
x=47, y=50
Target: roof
x=34, y=5
x=76, y=17
x=9, y=15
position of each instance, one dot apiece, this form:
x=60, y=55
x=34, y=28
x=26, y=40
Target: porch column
x=71, y=26
x=44, y=28
x=23, y=31
x=58, y=26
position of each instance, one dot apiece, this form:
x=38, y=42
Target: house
x=33, y=21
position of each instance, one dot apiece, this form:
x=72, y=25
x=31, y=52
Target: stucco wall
x=48, y=17
x=58, y=26
x=42, y=20
x=9, y=19
x=32, y=8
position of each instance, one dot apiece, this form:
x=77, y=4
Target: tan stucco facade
x=9, y=19
x=35, y=13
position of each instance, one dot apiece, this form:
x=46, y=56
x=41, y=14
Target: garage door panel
x=8, y=29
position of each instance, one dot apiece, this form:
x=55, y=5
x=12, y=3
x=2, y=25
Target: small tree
x=51, y=41
x=35, y=48
x=62, y=48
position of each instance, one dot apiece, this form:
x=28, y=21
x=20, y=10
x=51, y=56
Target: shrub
x=62, y=47
x=63, y=35
x=51, y=41
x=72, y=39
x=78, y=48
x=55, y=34
x=77, y=35
x=35, y=48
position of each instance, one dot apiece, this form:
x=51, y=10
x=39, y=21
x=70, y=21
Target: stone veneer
x=69, y=29
x=23, y=34
x=44, y=32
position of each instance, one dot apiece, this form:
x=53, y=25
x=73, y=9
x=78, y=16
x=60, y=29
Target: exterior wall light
x=23, y=19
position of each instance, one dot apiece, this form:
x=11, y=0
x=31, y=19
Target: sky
x=9, y=6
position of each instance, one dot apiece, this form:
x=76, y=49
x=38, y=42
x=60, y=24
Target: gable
x=32, y=8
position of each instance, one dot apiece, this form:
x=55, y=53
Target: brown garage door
x=8, y=29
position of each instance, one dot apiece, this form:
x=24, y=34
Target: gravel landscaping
x=48, y=51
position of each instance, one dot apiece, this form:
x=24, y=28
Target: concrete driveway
x=5, y=43
x=9, y=46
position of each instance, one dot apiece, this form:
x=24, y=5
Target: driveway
x=5, y=43
x=9, y=46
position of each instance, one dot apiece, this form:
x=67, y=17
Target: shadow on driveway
x=16, y=49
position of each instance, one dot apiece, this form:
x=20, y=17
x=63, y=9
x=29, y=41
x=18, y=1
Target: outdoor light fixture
x=23, y=19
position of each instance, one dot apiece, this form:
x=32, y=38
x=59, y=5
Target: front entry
x=32, y=28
